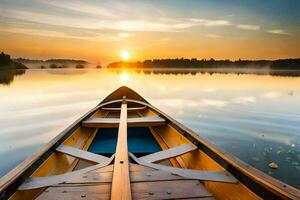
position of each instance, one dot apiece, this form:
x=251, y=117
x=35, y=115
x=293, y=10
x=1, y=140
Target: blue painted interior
x=140, y=141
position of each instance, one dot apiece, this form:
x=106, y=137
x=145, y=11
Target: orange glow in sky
x=97, y=31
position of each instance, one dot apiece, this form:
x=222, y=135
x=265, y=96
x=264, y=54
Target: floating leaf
x=295, y=163
x=267, y=150
x=279, y=152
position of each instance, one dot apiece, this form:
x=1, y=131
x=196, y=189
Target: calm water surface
x=256, y=118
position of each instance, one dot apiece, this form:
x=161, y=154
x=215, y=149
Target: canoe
x=125, y=148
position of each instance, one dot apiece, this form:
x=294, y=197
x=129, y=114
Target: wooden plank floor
x=146, y=183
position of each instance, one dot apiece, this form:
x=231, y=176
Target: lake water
x=254, y=117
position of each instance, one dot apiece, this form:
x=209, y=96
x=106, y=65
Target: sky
x=101, y=31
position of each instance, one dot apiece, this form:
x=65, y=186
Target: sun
x=125, y=55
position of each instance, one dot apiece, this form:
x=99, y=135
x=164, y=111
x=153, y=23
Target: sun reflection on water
x=124, y=77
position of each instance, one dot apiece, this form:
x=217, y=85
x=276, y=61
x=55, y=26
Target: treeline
x=293, y=64
x=9, y=69
x=7, y=63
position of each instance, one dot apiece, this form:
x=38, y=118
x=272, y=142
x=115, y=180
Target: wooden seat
x=139, y=190
x=119, y=109
x=131, y=122
x=146, y=183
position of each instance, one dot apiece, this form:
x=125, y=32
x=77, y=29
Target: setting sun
x=125, y=55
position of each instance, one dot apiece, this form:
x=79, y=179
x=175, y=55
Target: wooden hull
x=168, y=134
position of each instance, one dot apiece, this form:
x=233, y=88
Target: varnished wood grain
x=33, y=183
x=216, y=176
x=168, y=153
x=128, y=109
x=121, y=180
x=131, y=122
x=169, y=190
x=79, y=192
x=78, y=153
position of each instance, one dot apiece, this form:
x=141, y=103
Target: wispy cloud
x=273, y=95
x=212, y=36
x=125, y=35
x=99, y=19
x=82, y=7
x=209, y=22
x=248, y=27
x=278, y=32
x=244, y=100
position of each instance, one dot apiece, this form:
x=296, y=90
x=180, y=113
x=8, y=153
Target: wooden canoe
x=125, y=148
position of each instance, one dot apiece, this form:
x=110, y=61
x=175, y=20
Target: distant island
x=53, y=63
x=183, y=63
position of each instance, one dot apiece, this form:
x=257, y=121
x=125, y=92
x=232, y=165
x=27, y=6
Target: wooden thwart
x=78, y=153
x=131, y=122
x=39, y=182
x=169, y=153
x=119, y=109
x=216, y=176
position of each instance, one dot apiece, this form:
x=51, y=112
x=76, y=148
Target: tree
x=79, y=66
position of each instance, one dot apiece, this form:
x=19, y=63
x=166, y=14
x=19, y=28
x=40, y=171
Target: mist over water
x=254, y=117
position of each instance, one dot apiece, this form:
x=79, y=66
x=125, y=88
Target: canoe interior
x=142, y=141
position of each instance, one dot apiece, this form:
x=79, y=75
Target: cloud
x=125, y=35
x=248, y=27
x=213, y=103
x=244, y=100
x=82, y=7
x=273, y=95
x=208, y=22
x=96, y=20
x=278, y=32
x=209, y=89
x=212, y=36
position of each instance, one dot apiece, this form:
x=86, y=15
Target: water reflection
x=211, y=71
x=7, y=75
x=253, y=117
